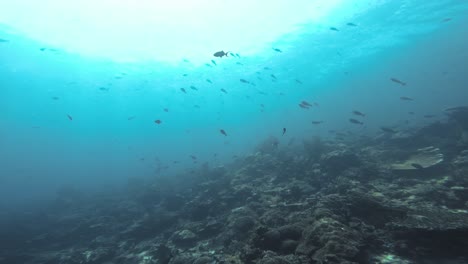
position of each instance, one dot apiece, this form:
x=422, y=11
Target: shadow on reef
x=398, y=199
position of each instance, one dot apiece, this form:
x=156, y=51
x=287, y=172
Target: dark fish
x=185, y=74
x=42, y=49
x=193, y=157
x=395, y=80
x=196, y=106
x=4, y=40
x=183, y=90
x=224, y=91
x=305, y=103
x=267, y=68
x=223, y=132
x=193, y=88
x=70, y=117
x=262, y=105
x=220, y=54
x=104, y=89
x=157, y=121
x=55, y=98
x=298, y=81
x=351, y=24
x=354, y=121
x=303, y=106
x=446, y=19
x=284, y=131
x=277, y=50
x=243, y=81
x=208, y=65
x=237, y=55
x=388, y=130
x=166, y=110
x=417, y=166
x=214, y=62
x=404, y=98
x=131, y=118
x=334, y=29
x=208, y=80
x=317, y=122
x=456, y=108
x=273, y=76
x=358, y=113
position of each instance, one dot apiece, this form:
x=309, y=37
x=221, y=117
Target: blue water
x=113, y=137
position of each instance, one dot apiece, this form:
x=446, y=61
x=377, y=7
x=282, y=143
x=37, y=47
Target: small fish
x=273, y=76
x=166, y=110
x=388, y=130
x=104, y=89
x=243, y=81
x=185, y=74
x=55, y=98
x=305, y=103
x=358, y=113
x=131, y=118
x=224, y=91
x=267, y=68
x=220, y=54
x=193, y=157
x=284, y=131
x=446, y=19
x=334, y=29
x=223, y=132
x=277, y=50
x=185, y=60
x=239, y=63
x=351, y=24
x=208, y=65
x=262, y=105
x=214, y=62
x=157, y=121
x=208, y=80
x=303, y=106
x=196, y=106
x=183, y=90
x=395, y=80
x=237, y=55
x=404, y=98
x=70, y=117
x=42, y=49
x=417, y=166
x=354, y=121
x=317, y=122
x=193, y=88
x=298, y=81
x=3, y=40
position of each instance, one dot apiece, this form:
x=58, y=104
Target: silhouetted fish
x=351, y=24
x=183, y=90
x=273, y=76
x=157, y=121
x=193, y=157
x=334, y=29
x=223, y=132
x=354, y=121
x=208, y=80
x=306, y=103
x=404, y=98
x=220, y=54
x=55, y=98
x=446, y=19
x=166, y=110
x=70, y=117
x=224, y=91
x=214, y=62
x=193, y=88
x=298, y=81
x=131, y=118
x=243, y=81
x=277, y=50
x=3, y=40
x=355, y=112
x=395, y=80
x=317, y=122
x=284, y=131
x=303, y=106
